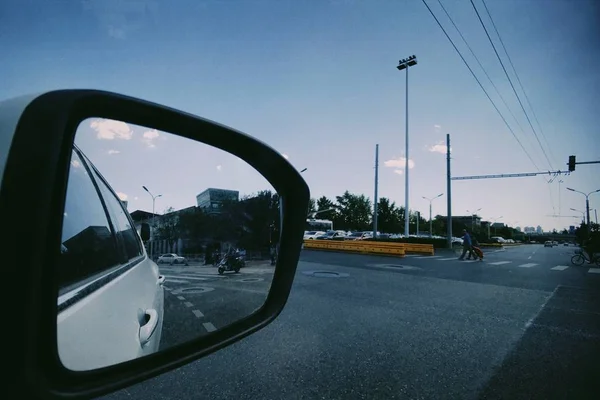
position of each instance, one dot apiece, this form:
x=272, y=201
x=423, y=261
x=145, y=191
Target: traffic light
x=571, y=163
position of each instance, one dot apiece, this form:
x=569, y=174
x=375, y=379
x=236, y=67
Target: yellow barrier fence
x=372, y=247
x=357, y=246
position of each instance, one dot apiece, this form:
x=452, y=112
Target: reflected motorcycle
x=231, y=262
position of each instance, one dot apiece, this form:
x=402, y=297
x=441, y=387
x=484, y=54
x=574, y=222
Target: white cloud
x=149, y=136
x=122, y=196
x=437, y=127
x=399, y=163
x=398, y=171
x=439, y=147
x=75, y=163
x=219, y=168
x=108, y=129
x=285, y=156
x=111, y=152
x=120, y=18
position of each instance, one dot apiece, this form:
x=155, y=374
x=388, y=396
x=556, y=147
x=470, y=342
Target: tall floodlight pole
x=405, y=64
x=430, y=200
x=375, y=210
x=449, y=195
x=153, y=215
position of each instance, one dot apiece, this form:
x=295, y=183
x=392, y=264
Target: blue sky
x=317, y=81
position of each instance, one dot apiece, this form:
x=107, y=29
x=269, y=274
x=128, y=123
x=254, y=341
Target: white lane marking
x=527, y=265
x=198, y=313
x=529, y=258
x=188, y=304
x=197, y=278
x=446, y=259
x=427, y=256
x=209, y=327
x=530, y=322
x=176, y=281
x=412, y=255
x=500, y=262
x=560, y=267
x=181, y=298
x=594, y=271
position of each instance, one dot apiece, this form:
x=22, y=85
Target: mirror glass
x=209, y=260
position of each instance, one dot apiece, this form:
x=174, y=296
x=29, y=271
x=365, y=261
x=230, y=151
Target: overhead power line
x=480, y=85
x=481, y=65
x=511, y=83
x=518, y=80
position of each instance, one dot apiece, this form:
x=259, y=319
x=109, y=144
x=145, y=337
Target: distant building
x=518, y=228
x=212, y=199
x=539, y=230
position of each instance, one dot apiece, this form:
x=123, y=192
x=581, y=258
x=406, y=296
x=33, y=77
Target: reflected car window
x=88, y=245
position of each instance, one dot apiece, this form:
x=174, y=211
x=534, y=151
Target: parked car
x=310, y=235
x=106, y=279
x=332, y=235
x=171, y=258
x=548, y=243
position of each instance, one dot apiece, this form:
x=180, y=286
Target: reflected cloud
x=108, y=129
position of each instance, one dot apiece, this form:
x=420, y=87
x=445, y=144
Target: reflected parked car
x=172, y=258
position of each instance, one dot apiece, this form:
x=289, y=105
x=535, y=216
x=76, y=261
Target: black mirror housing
x=36, y=141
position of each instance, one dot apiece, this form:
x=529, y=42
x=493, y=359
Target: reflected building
x=211, y=200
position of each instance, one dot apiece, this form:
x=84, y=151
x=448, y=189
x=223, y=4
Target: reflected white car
x=171, y=258
x=111, y=296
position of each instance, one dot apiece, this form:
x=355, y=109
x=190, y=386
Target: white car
x=110, y=304
x=171, y=258
x=309, y=235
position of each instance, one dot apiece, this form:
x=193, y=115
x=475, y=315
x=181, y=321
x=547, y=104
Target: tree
x=312, y=205
x=168, y=227
x=354, y=211
x=388, y=217
x=323, y=203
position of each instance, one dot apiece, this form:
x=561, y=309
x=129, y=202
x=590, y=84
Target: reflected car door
x=111, y=296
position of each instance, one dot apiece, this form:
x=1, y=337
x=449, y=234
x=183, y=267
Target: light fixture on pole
x=430, y=220
x=153, y=215
x=587, y=204
x=582, y=214
x=405, y=64
x=473, y=214
x=495, y=220
x=303, y=170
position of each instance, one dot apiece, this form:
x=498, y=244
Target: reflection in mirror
x=164, y=240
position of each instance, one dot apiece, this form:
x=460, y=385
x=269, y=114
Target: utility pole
x=418, y=217
x=587, y=205
x=449, y=190
x=375, y=210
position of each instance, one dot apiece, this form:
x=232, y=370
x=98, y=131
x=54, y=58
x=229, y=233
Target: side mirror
x=96, y=302
x=145, y=232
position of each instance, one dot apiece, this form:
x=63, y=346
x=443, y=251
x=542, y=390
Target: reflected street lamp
x=152, y=230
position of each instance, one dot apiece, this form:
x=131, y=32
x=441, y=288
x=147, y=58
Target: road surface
x=513, y=326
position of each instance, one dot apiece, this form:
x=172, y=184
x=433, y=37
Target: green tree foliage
x=323, y=203
x=388, y=216
x=353, y=212
x=312, y=205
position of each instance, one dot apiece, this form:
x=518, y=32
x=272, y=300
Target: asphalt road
x=198, y=300
x=418, y=328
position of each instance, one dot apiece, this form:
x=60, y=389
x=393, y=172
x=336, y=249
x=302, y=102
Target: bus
x=323, y=225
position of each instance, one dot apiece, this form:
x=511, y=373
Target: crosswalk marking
x=528, y=265
x=560, y=267
x=446, y=259
x=500, y=262
x=427, y=256
x=594, y=271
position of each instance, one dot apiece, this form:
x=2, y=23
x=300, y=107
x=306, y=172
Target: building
x=539, y=230
x=211, y=200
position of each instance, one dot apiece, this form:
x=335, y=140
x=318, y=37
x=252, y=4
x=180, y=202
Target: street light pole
x=587, y=205
x=153, y=217
x=405, y=64
x=430, y=218
x=495, y=220
x=472, y=214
